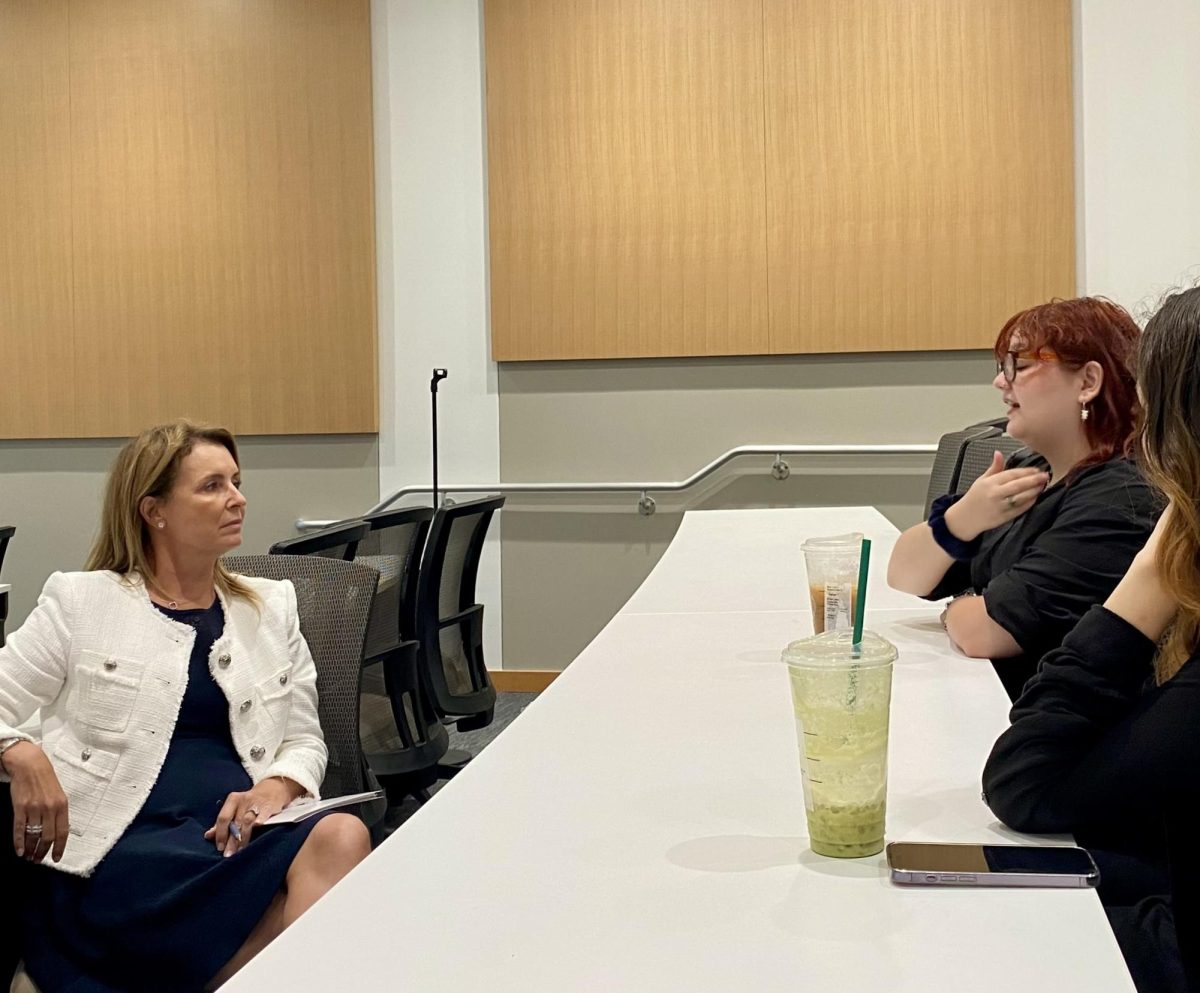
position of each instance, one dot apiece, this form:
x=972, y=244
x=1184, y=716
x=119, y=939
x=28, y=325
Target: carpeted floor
x=508, y=707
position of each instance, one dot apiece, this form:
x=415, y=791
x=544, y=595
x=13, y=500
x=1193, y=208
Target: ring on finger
x=1010, y=502
x=33, y=829
x=253, y=810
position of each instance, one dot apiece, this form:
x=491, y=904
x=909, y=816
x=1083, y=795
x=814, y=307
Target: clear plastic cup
x=832, y=565
x=841, y=702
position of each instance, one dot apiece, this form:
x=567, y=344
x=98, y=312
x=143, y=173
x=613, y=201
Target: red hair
x=1088, y=329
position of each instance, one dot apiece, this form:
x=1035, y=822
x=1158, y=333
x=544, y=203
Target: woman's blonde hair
x=1169, y=379
x=148, y=466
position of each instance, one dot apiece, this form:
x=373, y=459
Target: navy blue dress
x=164, y=909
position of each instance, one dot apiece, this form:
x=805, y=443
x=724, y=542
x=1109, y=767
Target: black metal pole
x=438, y=376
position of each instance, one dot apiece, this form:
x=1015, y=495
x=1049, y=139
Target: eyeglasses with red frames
x=1008, y=367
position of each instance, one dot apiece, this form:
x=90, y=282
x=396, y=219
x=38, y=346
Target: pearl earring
x=163, y=524
x=1084, y=414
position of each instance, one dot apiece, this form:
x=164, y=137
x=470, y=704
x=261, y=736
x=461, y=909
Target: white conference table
x=750, y=560
x=641, y=827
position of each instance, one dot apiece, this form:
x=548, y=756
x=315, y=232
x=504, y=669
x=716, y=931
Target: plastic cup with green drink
x=841, y=699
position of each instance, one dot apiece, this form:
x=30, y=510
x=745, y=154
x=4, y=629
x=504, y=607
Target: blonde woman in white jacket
x=178, y=711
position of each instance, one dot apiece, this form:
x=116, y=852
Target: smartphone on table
x=921, y=864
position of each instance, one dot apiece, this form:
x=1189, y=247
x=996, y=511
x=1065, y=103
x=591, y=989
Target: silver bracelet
x=961, y=596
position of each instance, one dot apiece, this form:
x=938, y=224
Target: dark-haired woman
x=1034, y=543
x=1090, y=747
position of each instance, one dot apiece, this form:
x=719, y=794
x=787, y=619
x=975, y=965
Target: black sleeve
x=958, y=578
x=1102, y=523
x=956, y=581
x=1087, y=747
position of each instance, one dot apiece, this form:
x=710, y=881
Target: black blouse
x=1040, y=573
x=1092, y=750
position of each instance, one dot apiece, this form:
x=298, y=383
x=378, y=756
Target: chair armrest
x=469, y=614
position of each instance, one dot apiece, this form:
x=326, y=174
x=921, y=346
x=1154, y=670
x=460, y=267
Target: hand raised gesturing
x=995, y=498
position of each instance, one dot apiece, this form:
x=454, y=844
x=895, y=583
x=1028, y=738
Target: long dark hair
x=1169, y=377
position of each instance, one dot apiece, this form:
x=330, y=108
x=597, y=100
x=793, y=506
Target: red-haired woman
x=1033, y=544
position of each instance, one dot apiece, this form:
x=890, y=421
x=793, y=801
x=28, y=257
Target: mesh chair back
x=334, y=599
x=947, y=463
x=400, y=730
x=456, y=592
x=392, y=547
x=977, y=456
x=339, y=541
x=449, y=621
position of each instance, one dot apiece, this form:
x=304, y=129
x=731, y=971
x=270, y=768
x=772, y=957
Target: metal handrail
x=646, y=505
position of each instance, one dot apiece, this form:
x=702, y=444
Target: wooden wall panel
x=884, y=175
x=224, y=249
x=36, y=374
x=186, y=216
x=625, y=177
x=919, y=169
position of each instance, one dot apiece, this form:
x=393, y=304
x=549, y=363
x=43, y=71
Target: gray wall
x=569, y=564
x=51, y=490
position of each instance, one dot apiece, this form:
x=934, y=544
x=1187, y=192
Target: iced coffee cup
x=841, y=703
x=832, y=566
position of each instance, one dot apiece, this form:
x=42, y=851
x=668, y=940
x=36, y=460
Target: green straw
x=860, y=605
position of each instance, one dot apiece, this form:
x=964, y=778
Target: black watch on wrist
x=956, y=548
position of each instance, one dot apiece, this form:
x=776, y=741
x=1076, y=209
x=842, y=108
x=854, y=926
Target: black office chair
x=392, y=546
x=977, y=456
x=449, y=623
x=334, y=600
x=6, y=533
x=948, y=462
x=338, y=541
x=401, y=732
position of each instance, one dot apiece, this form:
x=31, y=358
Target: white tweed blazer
x=108, y=672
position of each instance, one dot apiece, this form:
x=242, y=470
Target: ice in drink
x=841, y=705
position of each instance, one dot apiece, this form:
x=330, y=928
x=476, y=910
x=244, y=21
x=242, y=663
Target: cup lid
x=834, y=543
x=832, y=650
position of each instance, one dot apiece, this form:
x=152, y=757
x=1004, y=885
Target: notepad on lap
x=302, y=810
